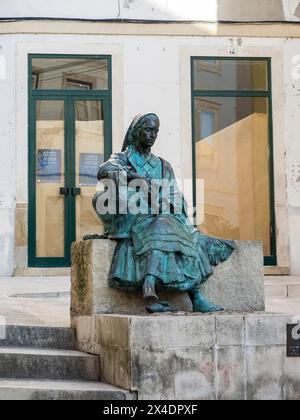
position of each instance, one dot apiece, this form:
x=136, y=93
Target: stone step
x=282, y=287
x=29, y=363
x=37, y=337
x=42, y=272
x=60, y=390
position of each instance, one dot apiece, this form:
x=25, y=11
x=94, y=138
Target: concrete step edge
x=36, y=336
x=54, y=389
x=39, y=364
x=43, y=351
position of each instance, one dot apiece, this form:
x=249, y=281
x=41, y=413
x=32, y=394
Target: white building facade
x=224, y=80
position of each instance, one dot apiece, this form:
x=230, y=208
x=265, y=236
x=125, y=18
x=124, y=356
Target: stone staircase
x=40, y=363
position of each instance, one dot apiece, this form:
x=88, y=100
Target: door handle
x=75, y=191
x=64, y=191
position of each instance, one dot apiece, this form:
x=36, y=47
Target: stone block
x=231, y=378
x=292, y=371
x=266, y=330
x=174, y=373
x=112, y=337
x=273, y=291
x=237, y=284
x=265, y=373
x=172, y=331
x=230, y=330
x=84, y=334
x=294, y=290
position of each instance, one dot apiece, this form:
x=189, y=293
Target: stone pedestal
x=237, y=284
x=193, y=357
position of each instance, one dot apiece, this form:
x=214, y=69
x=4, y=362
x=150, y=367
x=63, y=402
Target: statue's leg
x=200, y=304
x=149, y=288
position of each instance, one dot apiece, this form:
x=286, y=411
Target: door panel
x=67, y=146
x=89, y=154
x=50, y=178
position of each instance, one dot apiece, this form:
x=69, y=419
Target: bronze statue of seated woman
x=156, y=250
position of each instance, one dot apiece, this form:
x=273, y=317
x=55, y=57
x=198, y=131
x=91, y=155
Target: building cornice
x=149, y=28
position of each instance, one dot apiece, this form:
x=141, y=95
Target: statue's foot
x=149, y=288
x=200, y=304
x=160, y=307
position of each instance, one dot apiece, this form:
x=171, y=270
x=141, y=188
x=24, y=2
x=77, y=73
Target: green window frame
x=67, y=95
x=272, y=259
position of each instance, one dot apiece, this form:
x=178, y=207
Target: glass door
x=89, y=154
x=69, y=135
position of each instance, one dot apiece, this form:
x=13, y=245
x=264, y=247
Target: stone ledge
x=277, y=271
x=237, y=284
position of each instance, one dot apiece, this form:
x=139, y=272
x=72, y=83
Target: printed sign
x=293, y=340
x=48, y=166
x=88, y=166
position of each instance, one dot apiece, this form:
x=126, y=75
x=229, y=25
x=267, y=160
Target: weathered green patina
x=162, y=250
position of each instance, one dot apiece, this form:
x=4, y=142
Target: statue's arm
x=177, y=200
x=116, y=163
x=114, y=166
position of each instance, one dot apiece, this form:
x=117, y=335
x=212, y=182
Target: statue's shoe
x=160, y=307
x=93, y=236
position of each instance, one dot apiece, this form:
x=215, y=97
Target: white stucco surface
x=7, y=158
x=292, y=110
x=148, y=77
x=192, y=10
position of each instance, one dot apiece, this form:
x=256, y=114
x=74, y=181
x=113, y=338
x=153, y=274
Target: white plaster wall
x=138, y=9
x=149, y=69
x=292, y=117
x=7, y=155
x=112, y=9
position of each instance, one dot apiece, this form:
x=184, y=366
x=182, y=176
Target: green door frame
x=272, y=259
x=69, y=97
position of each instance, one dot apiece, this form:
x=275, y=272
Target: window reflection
x=69, y=73
x=232, y=156
x=241, y=75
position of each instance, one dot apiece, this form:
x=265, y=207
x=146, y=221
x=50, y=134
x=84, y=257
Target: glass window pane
x=208, y=121
x=69, y=73
x=230, y=75
x=50, y=177
x=89, y=155
x=232, y=156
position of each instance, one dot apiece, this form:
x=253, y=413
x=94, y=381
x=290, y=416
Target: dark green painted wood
x=272, y=259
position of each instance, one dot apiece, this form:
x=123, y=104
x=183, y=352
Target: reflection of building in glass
x=232, y=151
x=64, y=73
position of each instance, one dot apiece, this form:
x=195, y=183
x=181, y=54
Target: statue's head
x=143, y=131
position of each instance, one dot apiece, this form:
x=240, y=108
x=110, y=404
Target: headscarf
x=137, y=123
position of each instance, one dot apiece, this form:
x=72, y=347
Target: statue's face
x=147, y=134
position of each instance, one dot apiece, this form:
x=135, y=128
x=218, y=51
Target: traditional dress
x=166, y=246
